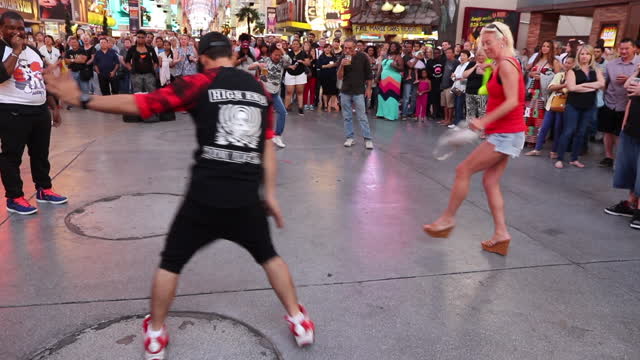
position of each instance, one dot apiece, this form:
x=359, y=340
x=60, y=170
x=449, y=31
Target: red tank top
x=513, y=122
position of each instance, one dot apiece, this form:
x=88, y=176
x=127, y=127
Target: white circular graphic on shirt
x=239, y=125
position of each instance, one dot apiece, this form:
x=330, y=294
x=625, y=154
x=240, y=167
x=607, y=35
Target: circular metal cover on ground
x=125, y=217
x=192, y=335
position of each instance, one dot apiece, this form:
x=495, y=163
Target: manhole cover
x=192, y=336
x=125, y=217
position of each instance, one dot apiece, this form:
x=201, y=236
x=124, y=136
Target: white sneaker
x=368, y=145
x=278, y=141
x=301, y=327
x=452, y=126
x=349, y=142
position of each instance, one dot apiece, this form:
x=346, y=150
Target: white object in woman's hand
x=474, y=125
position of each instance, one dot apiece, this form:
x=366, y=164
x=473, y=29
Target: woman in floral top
x=188, y=58
x=271, y=71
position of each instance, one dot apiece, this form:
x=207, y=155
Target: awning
x=294, y=24
x=393, y=29
x=421, y=14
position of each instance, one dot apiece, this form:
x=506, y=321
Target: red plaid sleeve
x=181, y=95
x=270, y=133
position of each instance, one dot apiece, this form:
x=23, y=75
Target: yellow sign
x=609, y=34
x=24, y=6
x=97, y=19
x=294, y=24
x=387, y=29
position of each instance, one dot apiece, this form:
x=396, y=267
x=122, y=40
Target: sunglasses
x=494, y=27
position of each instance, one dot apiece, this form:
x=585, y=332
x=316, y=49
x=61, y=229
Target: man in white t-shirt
x=25, y=120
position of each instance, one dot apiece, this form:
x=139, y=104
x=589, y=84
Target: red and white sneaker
x=301, y=327
x=154, y=346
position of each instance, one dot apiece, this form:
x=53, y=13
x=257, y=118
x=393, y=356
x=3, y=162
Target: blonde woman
x=583, y=83
x=504, y=126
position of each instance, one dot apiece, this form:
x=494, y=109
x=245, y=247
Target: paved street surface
x=376, y=286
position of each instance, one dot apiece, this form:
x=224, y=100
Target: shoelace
x=298, y=324
x=49, y=192
x=22, y=202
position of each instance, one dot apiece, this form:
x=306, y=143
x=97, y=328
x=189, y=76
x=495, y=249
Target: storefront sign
x=315, y=14
x=609, y=33
x=271, y=20
x=477, y=18
x=23, y=7
x=80, y=10
x=55, y=9
x=119, y=9
x=134, y=16
x=285, y=12
x=311, y=12
x=387, y=29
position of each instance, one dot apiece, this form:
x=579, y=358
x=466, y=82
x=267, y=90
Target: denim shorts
x=627, y=168
x=508, y=143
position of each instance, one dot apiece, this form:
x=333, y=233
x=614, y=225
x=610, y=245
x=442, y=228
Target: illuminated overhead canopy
x=200, y=13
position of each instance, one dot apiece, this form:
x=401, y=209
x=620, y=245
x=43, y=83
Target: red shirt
x=513, y=122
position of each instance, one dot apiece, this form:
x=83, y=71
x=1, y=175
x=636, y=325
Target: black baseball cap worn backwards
x=213, y=39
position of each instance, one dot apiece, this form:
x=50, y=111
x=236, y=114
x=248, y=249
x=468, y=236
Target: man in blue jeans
x=124, y=75
x=76, y=59
x=408, y=85
x=627, y=170
x=355, y=73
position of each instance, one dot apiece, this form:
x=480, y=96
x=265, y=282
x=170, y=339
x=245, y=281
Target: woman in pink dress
x=422, y=101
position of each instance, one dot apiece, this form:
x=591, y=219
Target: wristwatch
x=85, y=99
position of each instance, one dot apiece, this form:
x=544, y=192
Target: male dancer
x=223, y=198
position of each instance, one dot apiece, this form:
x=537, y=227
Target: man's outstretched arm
x=180, y=95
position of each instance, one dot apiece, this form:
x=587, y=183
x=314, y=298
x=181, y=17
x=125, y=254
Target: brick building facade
x=624, y=14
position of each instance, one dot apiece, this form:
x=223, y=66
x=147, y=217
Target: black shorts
x=610, y=121
x=198, y=225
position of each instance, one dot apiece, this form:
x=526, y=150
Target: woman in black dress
x=327, y=75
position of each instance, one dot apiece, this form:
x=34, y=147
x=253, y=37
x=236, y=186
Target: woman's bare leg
x=288, y=95
x=300, y=95
x=483, y=157
x=491, y=182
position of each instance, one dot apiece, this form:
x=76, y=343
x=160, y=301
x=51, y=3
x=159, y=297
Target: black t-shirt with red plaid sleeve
x=233, y=120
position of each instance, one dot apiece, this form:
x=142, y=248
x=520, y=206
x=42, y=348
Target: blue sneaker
x=20, y=206
x=48, y=196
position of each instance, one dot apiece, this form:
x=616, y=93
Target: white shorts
x=295, y=79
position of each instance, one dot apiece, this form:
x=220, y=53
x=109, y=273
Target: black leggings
x=198, y=225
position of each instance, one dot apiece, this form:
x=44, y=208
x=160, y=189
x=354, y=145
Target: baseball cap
x=213, y=39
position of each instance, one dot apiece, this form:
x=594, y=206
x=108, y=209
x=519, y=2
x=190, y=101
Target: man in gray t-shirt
x=611, y=115
x=124, y=75
x=355, y=73
x=447, y=100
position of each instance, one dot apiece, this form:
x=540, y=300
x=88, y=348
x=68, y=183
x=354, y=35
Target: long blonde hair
x=502, y=32
x=592, y=62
